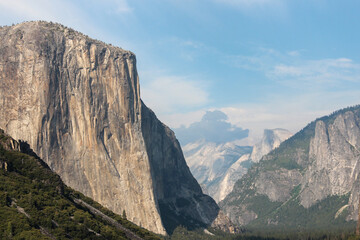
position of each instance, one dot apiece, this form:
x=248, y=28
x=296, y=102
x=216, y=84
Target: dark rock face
x=314, y=172
x=76, y=102
x=179, y=195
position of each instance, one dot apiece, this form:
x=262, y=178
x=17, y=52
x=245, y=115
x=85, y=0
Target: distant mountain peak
x=271, y=139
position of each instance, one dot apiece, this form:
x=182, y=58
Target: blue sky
x=265, y=63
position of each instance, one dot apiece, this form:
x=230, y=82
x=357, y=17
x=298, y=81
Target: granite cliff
x=310, y=181
x=76, y=102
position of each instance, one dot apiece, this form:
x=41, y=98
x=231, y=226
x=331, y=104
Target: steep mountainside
x=76, y=101
x=217, y=166
x=310, y=181
x=35, y=204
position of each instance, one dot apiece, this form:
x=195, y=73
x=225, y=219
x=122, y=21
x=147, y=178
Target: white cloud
x=56, y=9
x=176, y=120
x=313, y=88
x=293, y=115
x=290, y=112
x=259, y=117
x=292, y=70
x=294, y=53
x=114, y=6
x=121, y=6
x=257, y=7
x=325, y=73
x=62, y=11
x=40, y=9
x=213, y=127
x=179, y=42
x=193, y=44
x=70, y=13
x=283, y=70
x=167, y=95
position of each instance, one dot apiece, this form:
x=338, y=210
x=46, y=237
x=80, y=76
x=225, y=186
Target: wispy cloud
x=179, y=119
x=290, y=112
x=169, y=94
x=114, y=6
x=295, y=53
x=40, y=9
x=213, y=127
x=121, y=6
x=320, y=73
x=309, y=89
x=261, y=60
x=290, y=69
x=74, y=14
x=257, y=7
x=66, y=12
x=187, y=49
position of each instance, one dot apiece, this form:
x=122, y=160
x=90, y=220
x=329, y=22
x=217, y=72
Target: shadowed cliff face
x=76, y=101
x=179, y=195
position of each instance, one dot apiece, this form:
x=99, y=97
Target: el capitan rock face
x=76, y=101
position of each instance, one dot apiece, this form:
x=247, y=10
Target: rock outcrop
x=8, y=143
x=76, y=101
x=335, y=161
x=271, y=139
x=314, y=174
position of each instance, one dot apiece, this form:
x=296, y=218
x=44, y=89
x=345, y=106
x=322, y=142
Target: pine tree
x=10, y=230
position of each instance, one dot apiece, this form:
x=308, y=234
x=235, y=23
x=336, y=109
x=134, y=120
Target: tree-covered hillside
x=35, y=203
